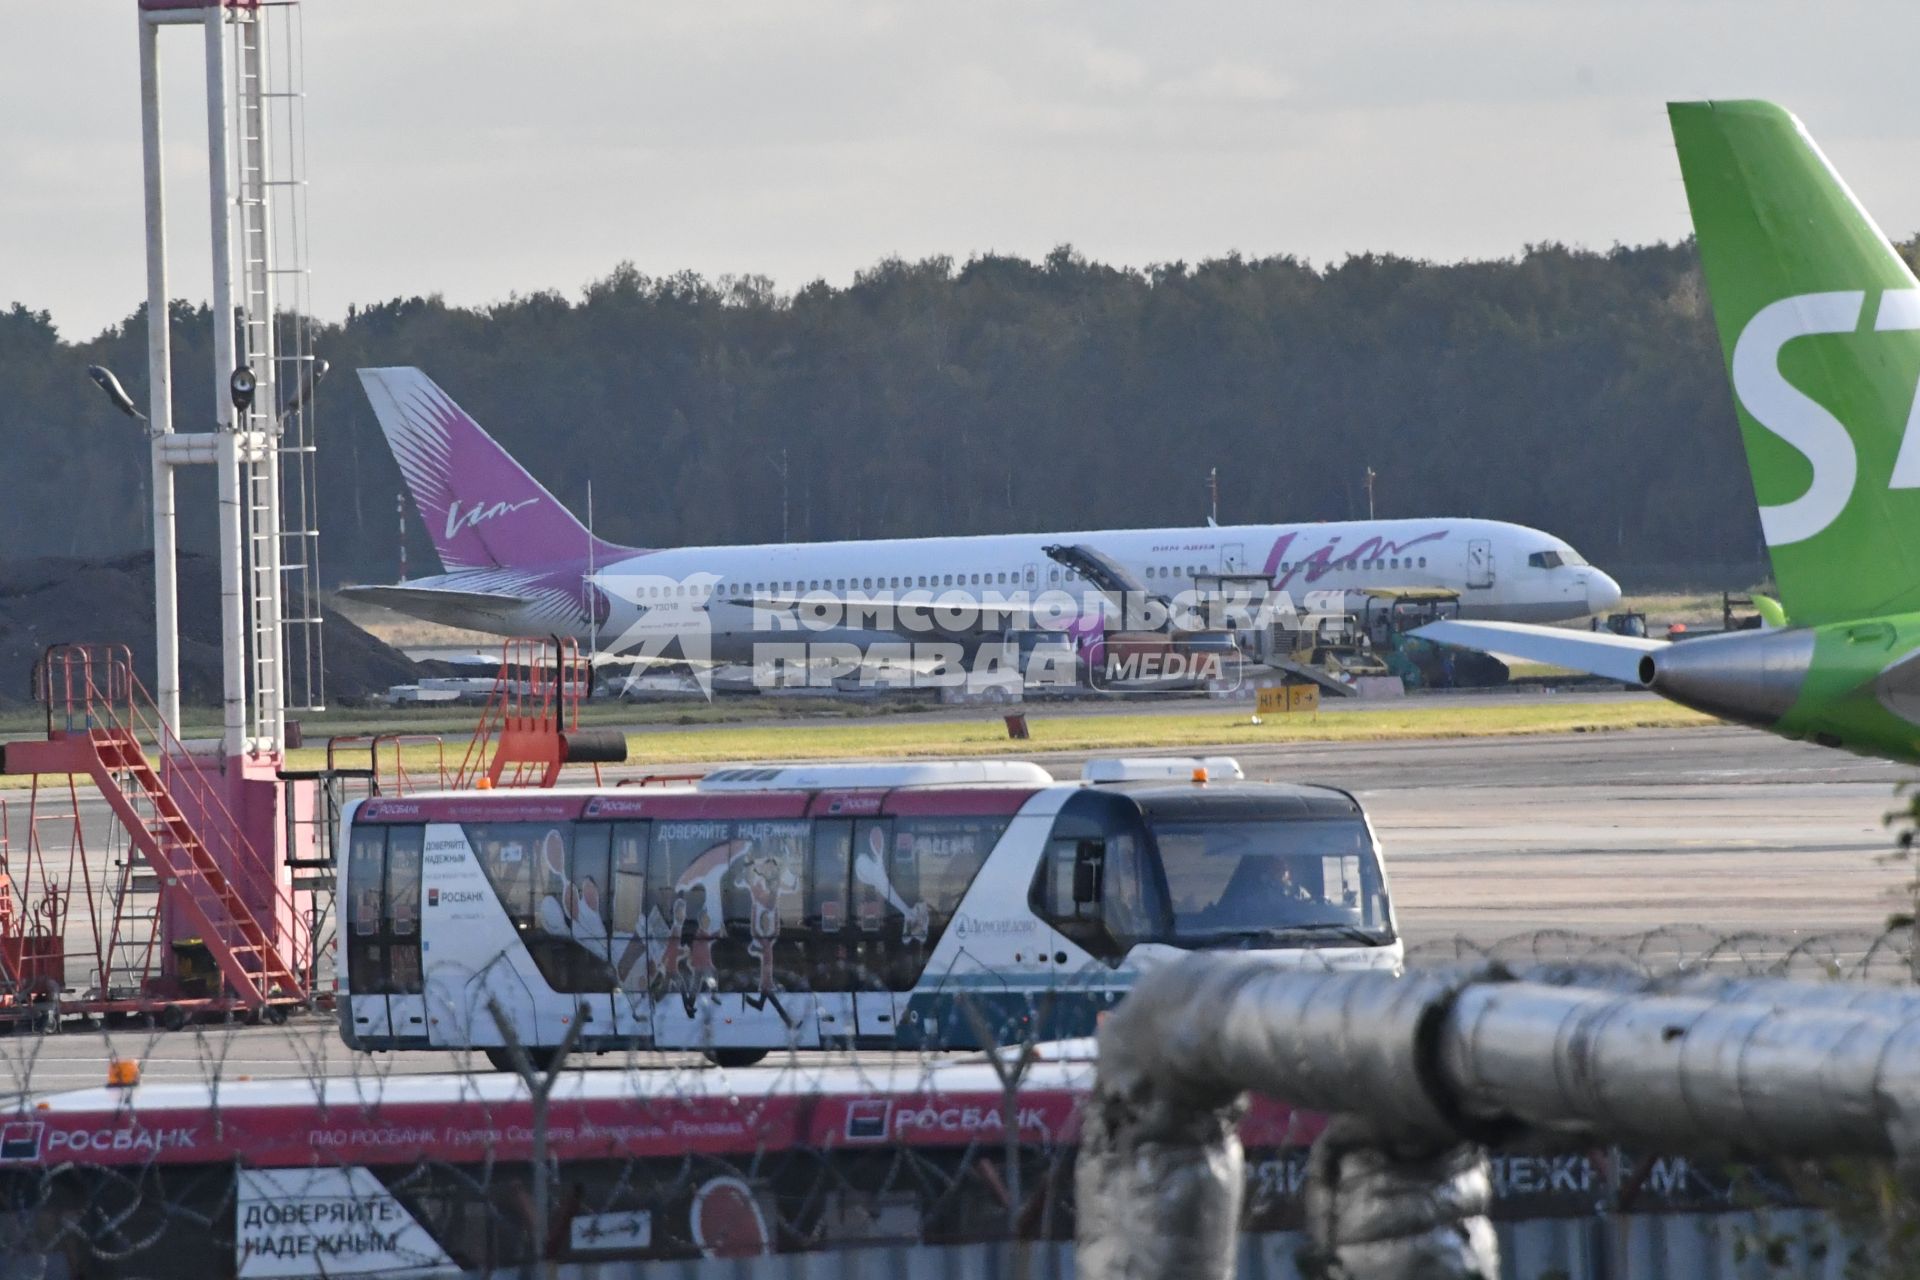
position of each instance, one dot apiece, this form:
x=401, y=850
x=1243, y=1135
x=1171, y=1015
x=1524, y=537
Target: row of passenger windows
x=1390, y=562
x=909, y=582
x=604, y=905
x=1016, y=578
x=735, y=590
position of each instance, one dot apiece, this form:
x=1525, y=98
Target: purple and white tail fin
x=481, y=507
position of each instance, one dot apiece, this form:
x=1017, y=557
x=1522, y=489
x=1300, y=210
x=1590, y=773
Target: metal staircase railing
x=536, y=698
x=96, y=703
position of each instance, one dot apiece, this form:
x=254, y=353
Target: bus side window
x=404, y=849
x=870, y=884
x=589, y=880
x=627, y=921
x=508, y=852
x=947, y=853
x=826, y=913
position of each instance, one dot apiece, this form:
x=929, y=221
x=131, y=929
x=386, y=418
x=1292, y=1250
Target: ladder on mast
x=280, y=520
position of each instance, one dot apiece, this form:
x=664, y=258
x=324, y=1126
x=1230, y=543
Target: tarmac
x=1716, y=831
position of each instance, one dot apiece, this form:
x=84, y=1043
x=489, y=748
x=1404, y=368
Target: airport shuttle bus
x=843, y=906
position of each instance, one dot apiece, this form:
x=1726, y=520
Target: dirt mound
x=56, y=600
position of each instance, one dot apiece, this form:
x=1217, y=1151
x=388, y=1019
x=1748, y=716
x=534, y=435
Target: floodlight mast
x=166, y=595
x=245, y=191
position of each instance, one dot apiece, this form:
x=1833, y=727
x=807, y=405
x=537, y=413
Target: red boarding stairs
x=531, y=725
x=212, y=882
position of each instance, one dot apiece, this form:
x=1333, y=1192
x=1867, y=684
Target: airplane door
x=1480, y=563
x=1233, y=558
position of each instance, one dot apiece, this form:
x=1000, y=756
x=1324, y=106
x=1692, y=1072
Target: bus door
x=878, y=916
x=829, y=929
x=762, y=963
x=688, y=865
x=406, y=991
x=383, y=932
x=366, y=948
x=1099, y=889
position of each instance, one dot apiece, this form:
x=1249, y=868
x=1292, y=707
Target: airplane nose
x=1602, y=592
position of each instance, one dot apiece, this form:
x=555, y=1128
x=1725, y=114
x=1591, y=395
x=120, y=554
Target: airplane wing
x=1599, y=653
x=438, y=604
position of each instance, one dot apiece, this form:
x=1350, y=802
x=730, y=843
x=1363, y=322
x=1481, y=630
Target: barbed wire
x=1885, y=956
x=270, y=1150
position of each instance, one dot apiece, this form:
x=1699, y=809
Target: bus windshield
x=1273, y=881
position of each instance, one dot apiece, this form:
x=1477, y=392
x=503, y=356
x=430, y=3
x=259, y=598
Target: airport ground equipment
x=1101, y=569
x=1631, y=623
x=531, y=725
x=1148, y=639
x=210, y=821
x=768, y=908
x=1421, y=1072
x=177, y=912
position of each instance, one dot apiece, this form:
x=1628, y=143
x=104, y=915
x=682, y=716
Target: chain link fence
x=264, y=1151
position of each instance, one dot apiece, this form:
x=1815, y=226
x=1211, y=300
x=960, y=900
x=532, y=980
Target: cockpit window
x=1272, y=882
x=1545, y=560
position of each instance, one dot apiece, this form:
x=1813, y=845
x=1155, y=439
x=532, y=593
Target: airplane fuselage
x=1501, y=571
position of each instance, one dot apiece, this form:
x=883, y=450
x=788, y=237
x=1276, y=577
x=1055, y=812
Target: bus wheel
x=542, y=1060
x=734, y=1057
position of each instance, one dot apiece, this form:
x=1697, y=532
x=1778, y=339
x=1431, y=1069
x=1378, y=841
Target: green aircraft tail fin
x=1819, y=319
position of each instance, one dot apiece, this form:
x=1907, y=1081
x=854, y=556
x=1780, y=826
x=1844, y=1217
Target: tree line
x=1579, y=391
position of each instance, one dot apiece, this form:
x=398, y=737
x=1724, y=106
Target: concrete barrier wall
x=1690, y=1246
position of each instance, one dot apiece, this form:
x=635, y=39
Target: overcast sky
x=484, y=147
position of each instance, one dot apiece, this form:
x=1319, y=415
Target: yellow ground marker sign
x=1273, y=699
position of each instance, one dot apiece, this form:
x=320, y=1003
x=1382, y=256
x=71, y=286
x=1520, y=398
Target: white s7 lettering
x=1791, y=414
x=1900, y=309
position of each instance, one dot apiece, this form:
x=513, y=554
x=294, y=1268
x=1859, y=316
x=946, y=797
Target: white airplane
x=518, y=563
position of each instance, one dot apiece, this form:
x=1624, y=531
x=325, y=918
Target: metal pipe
x=188, y=448
x=1685, y=1072
x=1779, y=993
x=1420, y=1069
x=166, y=595
x=1160, y=1173
x=233, y=667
